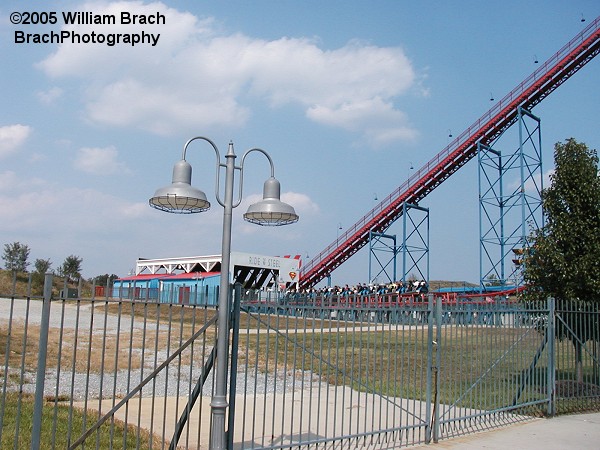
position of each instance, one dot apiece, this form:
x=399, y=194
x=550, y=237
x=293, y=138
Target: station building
x=196, y=279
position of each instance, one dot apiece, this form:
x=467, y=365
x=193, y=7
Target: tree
x=71, y=267
x=562, y=260
x=102, y=280
x=15, y=257
x=42, y=266
x=492, y=280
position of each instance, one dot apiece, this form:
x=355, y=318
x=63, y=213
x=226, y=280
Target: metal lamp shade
x=180, y=197
x=271, y=211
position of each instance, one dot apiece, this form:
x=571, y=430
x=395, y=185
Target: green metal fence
x=577, y=373
x=354, y=371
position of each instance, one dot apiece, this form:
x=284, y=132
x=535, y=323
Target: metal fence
x=576, y=326
x=373, y=372
x=185, y=295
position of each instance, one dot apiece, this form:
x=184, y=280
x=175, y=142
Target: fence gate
x=344, y=370
x=493, y=365
x=577, y=329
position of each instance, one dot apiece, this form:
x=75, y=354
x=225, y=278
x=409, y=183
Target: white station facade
x=253, y=271
x=196, y=279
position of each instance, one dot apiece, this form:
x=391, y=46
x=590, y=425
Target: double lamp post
x=181, y=198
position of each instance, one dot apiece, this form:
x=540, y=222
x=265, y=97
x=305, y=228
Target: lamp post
x=181, y=198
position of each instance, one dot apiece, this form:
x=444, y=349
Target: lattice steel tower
x=510, y=186
x=413, y=248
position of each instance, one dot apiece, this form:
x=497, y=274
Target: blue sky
x=344, y=95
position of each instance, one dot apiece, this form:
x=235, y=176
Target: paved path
x=577, y=432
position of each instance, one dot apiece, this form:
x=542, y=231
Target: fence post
x=29, y=280
x=41, y=366
x=551, y=376
x=235, y=326
x=14, y=283
x=438, y=362
x=430, y=368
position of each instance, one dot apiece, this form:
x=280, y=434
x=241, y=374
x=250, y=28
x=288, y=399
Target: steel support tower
x=510, y=205
x=415, y=242
x=414, y=248
x=380, y=246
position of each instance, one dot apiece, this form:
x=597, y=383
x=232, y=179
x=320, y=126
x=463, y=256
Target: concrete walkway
x=579, y=431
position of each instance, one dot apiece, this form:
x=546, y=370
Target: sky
x=345, y=96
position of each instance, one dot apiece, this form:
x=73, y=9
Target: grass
x=480, y=367
x=393, y=362
x=65, y=341
x=60, y=428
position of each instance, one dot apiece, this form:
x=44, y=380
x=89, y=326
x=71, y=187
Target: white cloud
x=303, y=205
x=37, y=157
x=37, y=204
x=297, y=70
x=99, y=161
x=12, y=137
x=84, y=60
x=197, y=74
x=532, y=186
x=107, y=231
x=134, y=210
x=57, y=221
x=380, y=122
x=161, y=110
x=11, y=182
x=49, y=96
x=8, y=179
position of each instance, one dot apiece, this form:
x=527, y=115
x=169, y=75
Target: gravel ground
x=80, y=386
x=171, y=382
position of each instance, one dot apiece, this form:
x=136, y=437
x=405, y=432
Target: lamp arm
x=241, y=169
x=218, y=165
x=213, y=145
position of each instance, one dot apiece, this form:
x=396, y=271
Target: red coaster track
x=537, y=86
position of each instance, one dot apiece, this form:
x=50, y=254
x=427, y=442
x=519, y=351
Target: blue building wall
x=190, y=291
x=136, y=289
x=179, y=289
